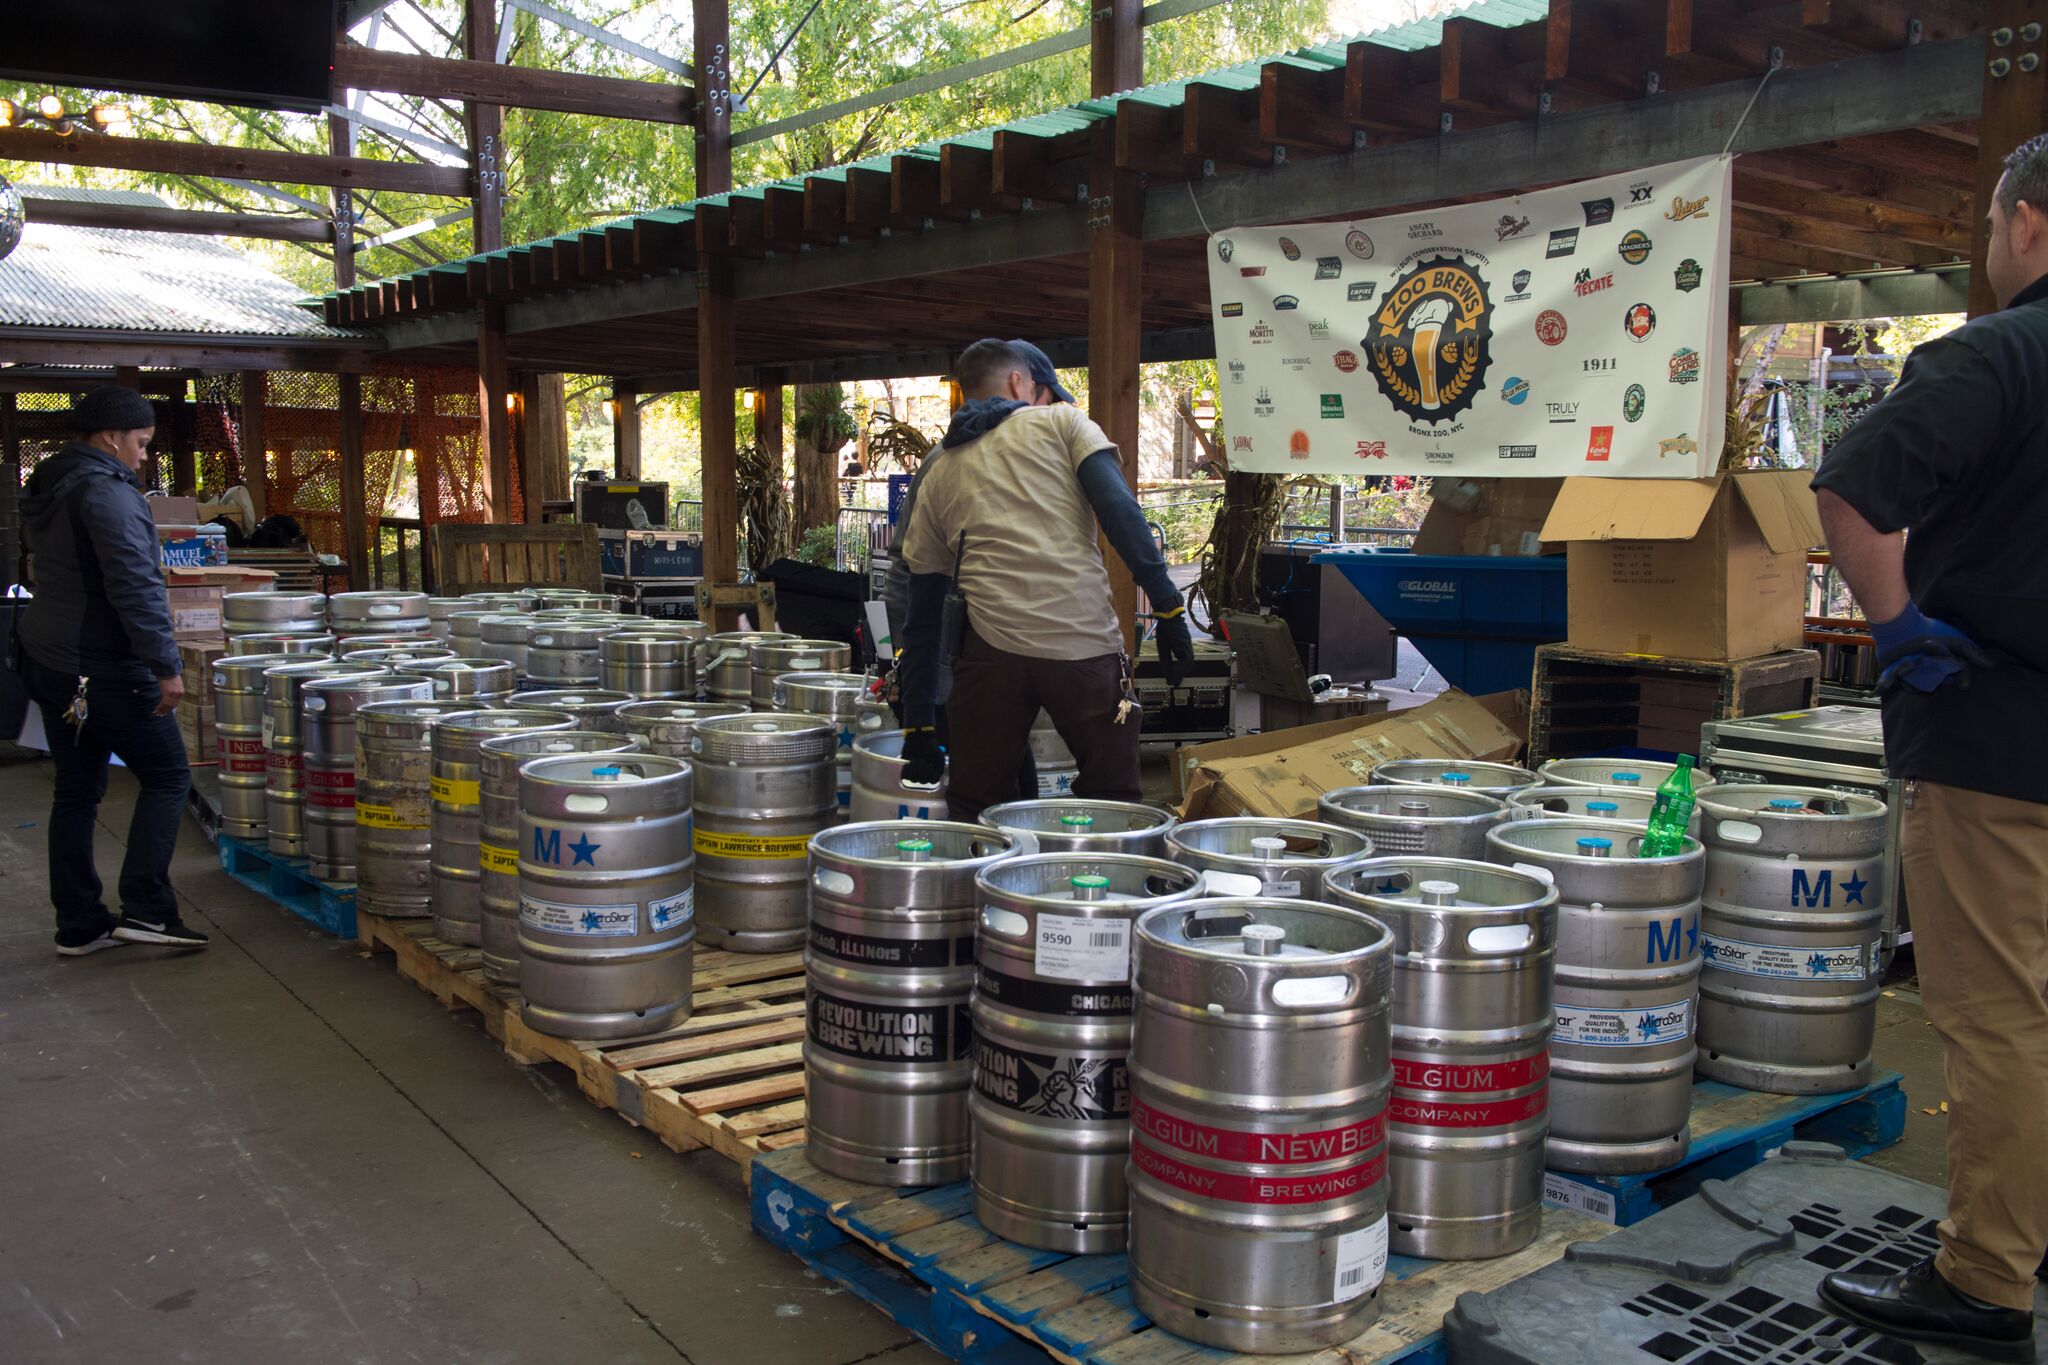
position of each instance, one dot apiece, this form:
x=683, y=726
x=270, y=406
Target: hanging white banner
x=1577, y=330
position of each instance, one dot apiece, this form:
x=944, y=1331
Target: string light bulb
x=111, y=116
x=8, y=113
x=51, y=107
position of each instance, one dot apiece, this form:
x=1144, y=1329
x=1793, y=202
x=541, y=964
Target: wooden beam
x=1380, y=95
x=2015, y=109
x=1148, y=140
x=1052, y=169
x=486, y=120
x=1880, y=25
x=177, y=351
x=494, y=435
x=713, y=115
x=1222, y=126
x=1479, y=76
x=1116, y=246
x=354, y=497
x=275, y=227
x=1295, y=104
x=1116, y=48
x=870, y=201
x=254, y=452
x=1604, y=48
x=914, y=190
x=1950, y=234
x=718, y=430
x=533, y=446
x=746, y=232
x=782, y=213
x=625, y=406
x=517, y=87
x=1811, y=169
x=1859, y=250
x=164, y=157
x=967, y=180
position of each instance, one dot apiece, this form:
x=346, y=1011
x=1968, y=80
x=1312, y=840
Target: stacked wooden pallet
x=1586, y=701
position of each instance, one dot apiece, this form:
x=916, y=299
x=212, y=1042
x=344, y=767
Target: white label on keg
x=1567, y=1193
x=1290, y=887
x=1786, y=961
x=1361, y=1261
x=675, y=910
x=1653, y=1027
x=584, y=921
x=1071, y=948
x=269, y=731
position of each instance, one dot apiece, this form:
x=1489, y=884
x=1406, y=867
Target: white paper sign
x=1076, y=948
x=1577, y=330
x=1361, y=1261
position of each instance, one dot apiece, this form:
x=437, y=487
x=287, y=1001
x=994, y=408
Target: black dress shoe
x=1922, y=1306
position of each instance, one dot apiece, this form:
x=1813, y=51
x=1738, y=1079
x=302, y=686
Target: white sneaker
x=92, y=945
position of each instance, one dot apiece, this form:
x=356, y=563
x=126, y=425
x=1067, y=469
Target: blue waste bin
x=1476, y=618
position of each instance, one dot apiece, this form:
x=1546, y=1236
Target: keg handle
x=1499, y=938
x=1310, y=992
x=997, y=920
x=1739, y=831
x=1214, y=883
x=1217, y=923
x=831, y=882
x=1541, y=874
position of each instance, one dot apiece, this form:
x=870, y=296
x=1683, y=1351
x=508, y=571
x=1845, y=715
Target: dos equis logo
x=1432, y=339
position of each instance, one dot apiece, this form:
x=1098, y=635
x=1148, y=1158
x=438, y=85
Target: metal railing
x=857, y=534
x=399, y=549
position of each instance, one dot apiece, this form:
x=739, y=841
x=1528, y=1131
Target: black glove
x=924, y=762
x=1176, y=646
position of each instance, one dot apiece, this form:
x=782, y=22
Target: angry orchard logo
x=1431, y=341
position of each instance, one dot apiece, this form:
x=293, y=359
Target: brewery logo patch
x=1598, y=211
x=1632, y=400
x=1683, y=208
x=1439, y=456
x=891, y=952
x=1361, y=291
x=1518, y=452
x=1289, y=249
x=1329, y=267
x=1240, y=445
x=1687, y=276
x=1520, y=283
x=1285, y=303
x=1261, y=334
x=1515, y=391
x=1237, y=372
x=1371, y=450
x=1423, y=231
x=1639, y=321
x=1225, y=248
x=1262, y=405
x=1599, y=364
x=1332, y=406
x=1052, y=1085
x=1296, y=362
x=1635, y=246
x=1233, y=310
x=1432, y=339
x=1685, y=366
x=1550, y=327
x=1639, y=195
x=1319, y=330
x=1346, y=361
x=1358, y=244
x=1681, y=444
x=1563, y=242
x=1600, y=444
x=1509, y=226
x=1556, y=413
x=1586, y=282
x=1297, y=445
x=910, y=1033
x=1251, y=272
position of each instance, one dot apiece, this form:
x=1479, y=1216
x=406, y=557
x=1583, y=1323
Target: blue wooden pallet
x=922, y=1257
x=1733, y=1130
x=330, y=906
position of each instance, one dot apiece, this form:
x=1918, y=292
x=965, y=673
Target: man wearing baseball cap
x=1015, y=497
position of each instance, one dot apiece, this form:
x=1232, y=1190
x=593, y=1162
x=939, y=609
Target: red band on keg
x=1236, y=1188
x=1469, y=1078
x=1416, y=1113
x=1265, y=1149
x=242, y=755
x=283, y=762
x=330, y=790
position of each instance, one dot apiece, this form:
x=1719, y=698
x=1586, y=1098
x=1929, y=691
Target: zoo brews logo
x=1431, y=342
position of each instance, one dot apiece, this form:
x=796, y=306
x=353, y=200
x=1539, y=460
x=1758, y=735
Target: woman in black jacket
x=100, y=660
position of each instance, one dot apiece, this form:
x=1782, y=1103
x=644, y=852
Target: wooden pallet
x=922, y=1257
x=1586, y=701
x=729, y=1078
x=498, y=558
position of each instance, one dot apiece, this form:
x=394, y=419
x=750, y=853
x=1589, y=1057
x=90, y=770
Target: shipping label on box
x=195, y=611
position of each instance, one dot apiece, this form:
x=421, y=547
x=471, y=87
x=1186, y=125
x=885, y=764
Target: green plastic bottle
x=1671, y=813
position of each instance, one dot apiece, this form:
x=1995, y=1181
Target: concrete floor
x=273, y=1151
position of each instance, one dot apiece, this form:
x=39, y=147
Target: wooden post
x=429, y=448
x=716, y=374
x=554, y=425
x=625, y=430
x=10, y=491
x=1116, y=206
x=486, y=137
x=354, y=499
x=768, y=431
x=184, y=450
x=2015, y=108
x=533, y=445
x=341, y=141
x=493, y=383
x=255, y=461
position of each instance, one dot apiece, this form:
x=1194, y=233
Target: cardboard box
x=195, y=727
x=191, y=547
x=1338, y=703
x=1690, y=568
x=198, y=657
x=1506, y=518
x=1282, y=774
x=195, y=613
x=182, y=512
x=233, y=578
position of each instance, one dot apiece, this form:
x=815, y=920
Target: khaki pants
x=1976, y=872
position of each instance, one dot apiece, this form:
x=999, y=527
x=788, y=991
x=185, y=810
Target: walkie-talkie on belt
x=953, y=620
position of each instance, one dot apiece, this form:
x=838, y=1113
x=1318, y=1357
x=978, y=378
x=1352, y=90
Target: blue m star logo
x=1649, y=1027
x=661, y=914
x=590, y=919
x=1710, y=950
x=583, y=849
x=1817, y=965
x=1852, y=890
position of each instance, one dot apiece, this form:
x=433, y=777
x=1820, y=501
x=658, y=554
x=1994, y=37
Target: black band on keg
x=861, y=950
x=1054, y=997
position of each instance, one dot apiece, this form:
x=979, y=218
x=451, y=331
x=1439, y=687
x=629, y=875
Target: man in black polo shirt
x=1957, y=456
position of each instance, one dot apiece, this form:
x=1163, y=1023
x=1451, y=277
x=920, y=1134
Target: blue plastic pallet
x=1733, y=1130
x=330, y=906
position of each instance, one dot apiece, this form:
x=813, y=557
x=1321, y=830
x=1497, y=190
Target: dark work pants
x=997, y=695
x=120, y=720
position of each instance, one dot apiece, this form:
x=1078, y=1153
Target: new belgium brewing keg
x=888, y=969
x=476, y=681
x=1435, y=822
x=457, y=793
x=768, y=660
x=1631, y=805
x=239, y=696
x=1260, y=1073
x=327, y=736
x=1069, y=824
x=1628, y=980
x=1644, y=774
x=273, y=613
x=1052, y=1037
x=498, y=761
x=394, y=805
x=666, y=727
x=652, y=665
x=835, y=696
x=1052, y=759
x=606, y=924
x=1790, y=928
x=593, y=707
x=725, y=667
x=764, y=787
x=378, y=613
x=878, y=790
x=1500, y=780
x=284, y=776
x=565, y=654
x=1474, y=949
x=1278, y=857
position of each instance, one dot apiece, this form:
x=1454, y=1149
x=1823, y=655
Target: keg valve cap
x=1263, y=940
x=1089, y=888
x=1591, y=847
x=914, y=850
x=1602, y=808
x=1456, y=779
x=1437, y=892
x=1077, y=820
x=1627, y=779
x=1269, y=848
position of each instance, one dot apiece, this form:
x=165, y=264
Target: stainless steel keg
x=439, y=609
x=593, y=707
x=362, y=642
x=768, y=660
x=888, y=969
x=1054, y=761
x=1071, y=825
x=1643, y=774
x=607, y=927
x=1051, y=1104
x=878, y=790
x=394, y=805
x=506, y=637
x=835, y=696
x=457, y=791
x=1632, y=805
x=284, y=775
x=378, y=613
x=652, y=665
x=725, y=663
x=476, y=681
x=565, y=654
x=498, y=761
x=1489, y=779
x=1628, y=979
x=666, y=727
x=1474, y=950
x=273, y=613
x=1260, y=1072
x=1435, y=822
x=1790, y=927
x=764, y=787
x=240, y=693
x=327, y=733
x=286, y=643
x=466, y=629
x=402, y=658
x=1264, y=857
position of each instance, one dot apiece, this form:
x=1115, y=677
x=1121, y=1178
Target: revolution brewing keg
x=887, y=974
x=498, y=761
x=1282, y=857
x=1260, y=1074
x=1052, y=1036
x=273, y=643
x=878, y=790
x=666, y=727
x=724, y=663
x=327, y=733
x=606, y=927
x=1500, y=780
x=651, y=665
x=239, y=696
x=1795, y=900
x=835, y=696
x=378, y=613
x=768, y=660
x=1628, y=979
x=478, y=682
x=1069, y=824
x=764, y=787
x=594, y=708
x=273, y=613
x=458, y=797
x=394, y=805
x=1054, y=761
x=1474, y=949
x=1631, y=805
x=1434, y=822
x=284, y=776
x=565, y=655
x=1644, y=774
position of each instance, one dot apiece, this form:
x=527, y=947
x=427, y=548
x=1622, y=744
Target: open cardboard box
x=1506, y=518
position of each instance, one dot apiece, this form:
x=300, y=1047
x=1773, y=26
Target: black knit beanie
x=110, y=408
